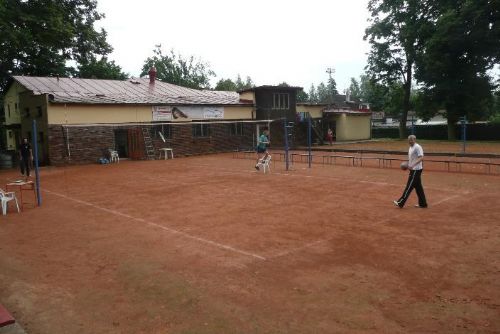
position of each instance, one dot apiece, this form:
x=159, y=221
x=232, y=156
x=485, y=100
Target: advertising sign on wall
x=186, y=113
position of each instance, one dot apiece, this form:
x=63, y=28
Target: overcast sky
x=269, y=40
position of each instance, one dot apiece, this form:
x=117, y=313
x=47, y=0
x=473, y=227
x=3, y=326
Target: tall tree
x=463, y=46
x=373, y=93
x=302, y=96
x=397, y=31
x=176, y=69
x=313, y=95
x=101, y=69
x=226, y=84
x=47, y=37
x=354, y=89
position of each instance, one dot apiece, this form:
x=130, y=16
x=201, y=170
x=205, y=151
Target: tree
x=175, y=69
x=240, y=85
x=332, y=87
x=313, y=95
x=226, y=84
x=302, y=96
x=373, y=93
x=354, y=89
x=396, y=34
x=323, y=94
x=101, y=69
x=462, y=48
x=43, y=37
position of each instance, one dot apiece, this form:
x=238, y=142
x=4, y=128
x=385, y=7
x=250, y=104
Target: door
x=121, y=143
x=136, y=148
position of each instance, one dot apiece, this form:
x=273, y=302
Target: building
x=80, y=120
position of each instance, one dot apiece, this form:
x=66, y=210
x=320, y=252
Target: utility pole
x=330, y=71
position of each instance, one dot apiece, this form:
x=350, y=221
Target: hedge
x=481, y=131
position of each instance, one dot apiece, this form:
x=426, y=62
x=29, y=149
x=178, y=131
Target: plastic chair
x=264, y=163
x=6, y=197
x=113, y=156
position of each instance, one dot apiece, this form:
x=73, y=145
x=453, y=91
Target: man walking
x=415, y=158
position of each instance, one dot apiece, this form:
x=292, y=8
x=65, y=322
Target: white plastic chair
x=264, y=163
x=113, y=156
x=6, y=197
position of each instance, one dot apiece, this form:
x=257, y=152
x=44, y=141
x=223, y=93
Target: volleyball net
x=86, y=143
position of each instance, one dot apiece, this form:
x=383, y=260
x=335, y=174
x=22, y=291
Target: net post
x=309, y=139
x=286, y=142
x=35, y=152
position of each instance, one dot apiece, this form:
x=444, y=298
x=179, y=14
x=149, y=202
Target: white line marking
x=168, y=229
x=293, y=250
x=449, y=198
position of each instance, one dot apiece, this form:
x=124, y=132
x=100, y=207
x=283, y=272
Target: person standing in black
x=25, y=156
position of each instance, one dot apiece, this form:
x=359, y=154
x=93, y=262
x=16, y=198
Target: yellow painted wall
x=11, y=102
x=314, y=111
x=352, y=127
x=248, y=96
x=90, y=114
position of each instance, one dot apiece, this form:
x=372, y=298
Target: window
x=39, y=111
x=27, y=112
x=201, y=130
x=8, y=108
x=281, y=100
x=164, y=129
x=236, y=129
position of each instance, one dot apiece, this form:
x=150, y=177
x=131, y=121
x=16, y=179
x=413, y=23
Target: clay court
x=209, y=245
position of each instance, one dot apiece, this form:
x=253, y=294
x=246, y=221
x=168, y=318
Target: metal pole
x=37, y=175
x=309, y=139
x=286, y=142
x=464, y=133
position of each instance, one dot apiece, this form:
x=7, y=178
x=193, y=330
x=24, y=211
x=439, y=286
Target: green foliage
x=226, y=85
x=176, y=69
x=240, y=85
x=41, y=37
x=462, y=48
x=373, y=93
x=397, y=31
x=101, y=69
x=302, y=96
x=354, y=89
x=313, y=95
x=229, y=85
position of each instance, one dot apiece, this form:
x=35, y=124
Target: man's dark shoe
x=420, y=206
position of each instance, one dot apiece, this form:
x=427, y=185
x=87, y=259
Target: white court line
x=168, y=229
x=248, y=172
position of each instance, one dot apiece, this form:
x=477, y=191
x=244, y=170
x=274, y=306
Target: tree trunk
x=452, y=130
x=403, y=131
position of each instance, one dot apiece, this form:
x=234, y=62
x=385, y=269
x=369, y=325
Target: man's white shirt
x=414, y=153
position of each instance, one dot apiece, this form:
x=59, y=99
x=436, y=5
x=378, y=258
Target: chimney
x=152, y=75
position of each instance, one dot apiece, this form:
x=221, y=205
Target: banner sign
x=186, y=113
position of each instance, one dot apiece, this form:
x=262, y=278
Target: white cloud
x=271, y=41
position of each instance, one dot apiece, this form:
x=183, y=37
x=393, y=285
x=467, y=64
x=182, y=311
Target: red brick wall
x=88, y=144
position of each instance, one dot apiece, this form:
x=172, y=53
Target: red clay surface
x=209, y=245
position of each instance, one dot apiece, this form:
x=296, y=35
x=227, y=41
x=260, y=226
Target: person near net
x=329, y=136
x=262, y=147
x=25, y=157
x=415, y=166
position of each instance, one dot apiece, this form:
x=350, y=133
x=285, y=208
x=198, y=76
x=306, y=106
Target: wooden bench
x=329, y=158
x=379, y=159
x=301, y=155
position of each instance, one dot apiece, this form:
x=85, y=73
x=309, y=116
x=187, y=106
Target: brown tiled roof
x=132, y=91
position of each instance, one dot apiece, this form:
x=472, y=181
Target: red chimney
x=152, y=75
